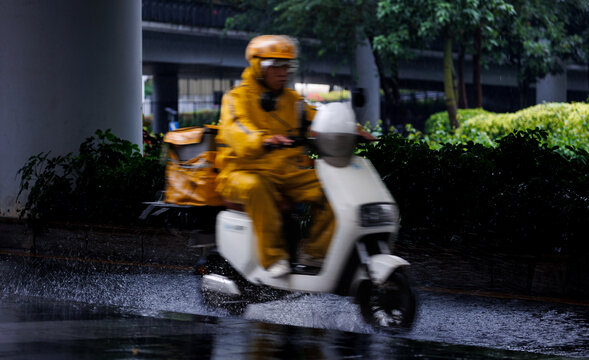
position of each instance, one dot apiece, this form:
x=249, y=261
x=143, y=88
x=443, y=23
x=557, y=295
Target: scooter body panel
x=354, y=185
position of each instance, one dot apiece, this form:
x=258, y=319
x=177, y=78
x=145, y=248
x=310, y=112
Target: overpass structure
x=192, y=38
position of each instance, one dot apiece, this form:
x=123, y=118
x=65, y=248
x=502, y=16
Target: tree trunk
x=394, y=84
x=449, y=83
x=524, y=87
x=462, y=99
x=476, y=69
x=390, y=88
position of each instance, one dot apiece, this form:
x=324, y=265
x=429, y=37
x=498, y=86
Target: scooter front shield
x=236, y=241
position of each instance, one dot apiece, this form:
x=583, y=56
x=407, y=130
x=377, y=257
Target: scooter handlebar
x=308, y=141
x=297, y=141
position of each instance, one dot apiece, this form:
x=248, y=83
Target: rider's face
x=275, y=77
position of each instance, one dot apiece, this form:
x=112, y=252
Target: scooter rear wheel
x=390, y=305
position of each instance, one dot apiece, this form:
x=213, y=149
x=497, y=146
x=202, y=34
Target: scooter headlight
x=379, y=214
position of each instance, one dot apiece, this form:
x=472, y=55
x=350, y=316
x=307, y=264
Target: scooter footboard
x=381, y=266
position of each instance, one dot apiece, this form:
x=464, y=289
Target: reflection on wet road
x=72, y=308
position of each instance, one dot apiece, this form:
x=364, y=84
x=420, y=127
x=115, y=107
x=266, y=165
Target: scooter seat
x=284, y=205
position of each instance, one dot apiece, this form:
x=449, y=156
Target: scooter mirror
x=336, y=148
x=335, y=118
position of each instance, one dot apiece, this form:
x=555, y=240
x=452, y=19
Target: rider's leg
x=303, y=186
x=259, y=197
x=321, y=232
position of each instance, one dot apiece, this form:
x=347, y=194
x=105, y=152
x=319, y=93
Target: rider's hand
x=278, y=140
x=366, y=135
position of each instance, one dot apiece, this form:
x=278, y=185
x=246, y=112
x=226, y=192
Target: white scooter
x=358, y=263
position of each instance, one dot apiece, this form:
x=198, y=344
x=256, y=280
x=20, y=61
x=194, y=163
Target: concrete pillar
x=368, y=80
x=552, y=88
x=165, y=95
x=67, y=68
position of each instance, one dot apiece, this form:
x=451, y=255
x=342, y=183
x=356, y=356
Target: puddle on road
x=537, y=327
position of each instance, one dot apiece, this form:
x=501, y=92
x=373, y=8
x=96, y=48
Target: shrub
x=439, y=121
x=567, y=126
x=106, y=182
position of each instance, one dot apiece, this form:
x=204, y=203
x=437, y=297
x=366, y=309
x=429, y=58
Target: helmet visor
x=290, y=63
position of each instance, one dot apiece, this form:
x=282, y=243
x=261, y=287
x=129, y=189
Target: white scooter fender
x=378, y=269
x=381, y=266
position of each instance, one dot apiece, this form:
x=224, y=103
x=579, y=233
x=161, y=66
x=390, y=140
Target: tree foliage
x=333, y=23
x=539, y=39
x=422, y=23
x=578, y=18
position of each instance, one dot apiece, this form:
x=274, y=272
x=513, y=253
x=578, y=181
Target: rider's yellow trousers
x=261, y=191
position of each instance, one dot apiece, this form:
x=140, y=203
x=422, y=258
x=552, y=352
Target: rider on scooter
x=261, y=111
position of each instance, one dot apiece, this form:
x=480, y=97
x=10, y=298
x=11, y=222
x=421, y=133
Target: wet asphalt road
x=55, y=309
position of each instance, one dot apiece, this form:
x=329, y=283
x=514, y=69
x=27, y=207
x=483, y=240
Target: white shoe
x=310, y=261
x=279, y=269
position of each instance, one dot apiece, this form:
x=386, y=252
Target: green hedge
x=567, y=126
x=439, y=121
x=520, y=196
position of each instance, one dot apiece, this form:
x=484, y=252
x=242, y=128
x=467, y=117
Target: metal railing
x=184, y=106
x=196, y=14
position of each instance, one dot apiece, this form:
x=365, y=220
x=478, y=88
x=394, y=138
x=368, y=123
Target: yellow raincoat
x=259, y=178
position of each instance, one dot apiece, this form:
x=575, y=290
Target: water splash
x=318, y=311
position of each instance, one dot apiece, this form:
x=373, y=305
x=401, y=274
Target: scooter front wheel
x=391, y=304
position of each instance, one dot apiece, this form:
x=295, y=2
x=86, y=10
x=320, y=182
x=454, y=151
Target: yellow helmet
x=271, y=46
